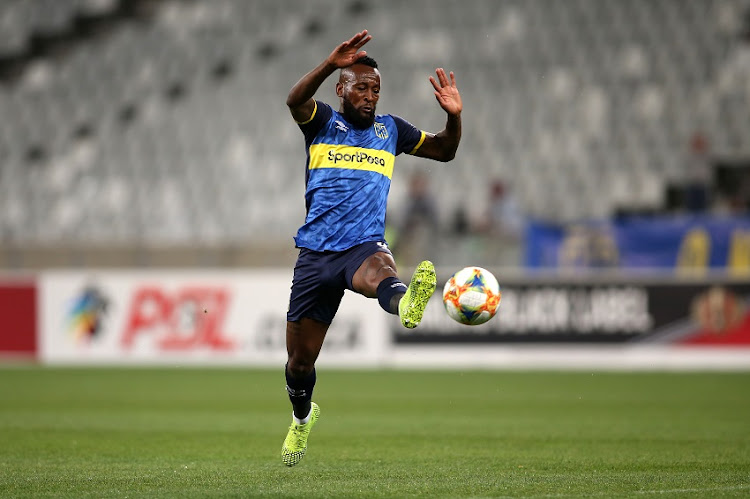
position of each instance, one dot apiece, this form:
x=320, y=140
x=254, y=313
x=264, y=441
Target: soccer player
x=350, y=157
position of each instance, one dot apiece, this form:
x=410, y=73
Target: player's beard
x=356, y=118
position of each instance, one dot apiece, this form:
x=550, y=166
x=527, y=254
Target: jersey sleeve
x=322, y=112
x=410, y=138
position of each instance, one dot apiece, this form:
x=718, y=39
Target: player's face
x=359, y=90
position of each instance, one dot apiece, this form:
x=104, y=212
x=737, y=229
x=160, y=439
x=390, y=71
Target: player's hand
x=348, y=52
x=446, y=92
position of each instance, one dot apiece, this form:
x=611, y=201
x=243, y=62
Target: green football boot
x=422, y=285
x=295, y=444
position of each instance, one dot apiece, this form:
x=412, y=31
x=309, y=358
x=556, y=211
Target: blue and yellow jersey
x=348, y=177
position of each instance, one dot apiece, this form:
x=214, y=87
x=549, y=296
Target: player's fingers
x=345, y=44
x=453, y=80
x=363, y=41
x=434, y=84
x=342, y=48
x=359, y=36
x=441, y=76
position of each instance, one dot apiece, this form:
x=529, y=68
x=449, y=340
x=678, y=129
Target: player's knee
x=383, y=266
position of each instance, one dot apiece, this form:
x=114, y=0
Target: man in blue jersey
x=350, y=158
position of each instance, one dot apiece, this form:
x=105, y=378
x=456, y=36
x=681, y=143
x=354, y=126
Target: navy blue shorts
x=321, y=277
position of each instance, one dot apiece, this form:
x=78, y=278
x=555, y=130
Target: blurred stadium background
x=137, y=128
x=598, y=135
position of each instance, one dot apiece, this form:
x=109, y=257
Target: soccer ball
x=471, y=296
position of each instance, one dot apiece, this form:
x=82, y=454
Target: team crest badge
x=380, y=130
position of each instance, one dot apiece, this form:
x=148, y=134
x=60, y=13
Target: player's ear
x=340, y=89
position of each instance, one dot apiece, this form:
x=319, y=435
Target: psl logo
x=191, y=318
x=380, y=130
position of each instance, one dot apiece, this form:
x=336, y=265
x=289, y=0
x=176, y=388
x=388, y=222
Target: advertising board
x=176, y=318
x=173, y=317
x=617, y=310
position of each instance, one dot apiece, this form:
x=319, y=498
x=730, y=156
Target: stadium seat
x=562, y=100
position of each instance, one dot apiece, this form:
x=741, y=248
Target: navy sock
x=300, y=392
x=390, y=291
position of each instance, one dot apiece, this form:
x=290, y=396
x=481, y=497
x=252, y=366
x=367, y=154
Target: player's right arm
x=300, y=98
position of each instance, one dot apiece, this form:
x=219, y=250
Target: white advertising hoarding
x=176, y=318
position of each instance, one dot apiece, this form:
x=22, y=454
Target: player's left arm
x=443, y=145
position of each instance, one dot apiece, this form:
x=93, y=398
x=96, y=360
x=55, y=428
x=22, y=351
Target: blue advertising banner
x=689, y=242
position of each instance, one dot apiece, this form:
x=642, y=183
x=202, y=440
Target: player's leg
x=304, y=339
x=377, y=277
x=312, y=306
x=376, y=270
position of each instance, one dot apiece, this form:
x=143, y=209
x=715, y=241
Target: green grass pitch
x=218, y=433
